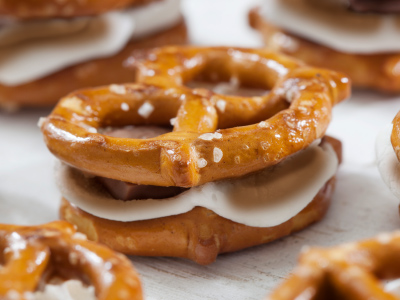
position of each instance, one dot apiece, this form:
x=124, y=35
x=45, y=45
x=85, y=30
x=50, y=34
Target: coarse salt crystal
x=221, y=105
x=291, y=94
x=237, y=159
x=262, y=124
x=217, y=154
x=73, y=103
x=201, y=163
x=118, y=89
x=210, y=136
x=41, y=121
x=172, y=121
x=79, y=236
x=124, y=106
x=145, y=110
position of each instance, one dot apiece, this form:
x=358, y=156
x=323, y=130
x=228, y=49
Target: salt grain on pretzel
x=32, y=255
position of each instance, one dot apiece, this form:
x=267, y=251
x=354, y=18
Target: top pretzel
x=211, y=138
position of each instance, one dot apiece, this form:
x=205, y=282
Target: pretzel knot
x=214, y=136
x=33, y=254
x=350, y=271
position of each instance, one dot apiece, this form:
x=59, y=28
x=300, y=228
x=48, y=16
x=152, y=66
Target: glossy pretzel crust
x=199, y=235
x=395, y=137
x=48, y=90
x=40, y=9
x=30, y=254
x=350, y=272
x=373, y=71
x=298, y=107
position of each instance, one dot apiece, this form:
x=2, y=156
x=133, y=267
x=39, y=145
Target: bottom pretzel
x=199, y=235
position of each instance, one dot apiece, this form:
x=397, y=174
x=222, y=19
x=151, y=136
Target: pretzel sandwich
x=215, y=138
x=34, y=255
x=37, y=70
x=31, y=9
x=376, y=70
x=351, y=271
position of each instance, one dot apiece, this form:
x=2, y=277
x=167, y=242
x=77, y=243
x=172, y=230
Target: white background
x=361, y=207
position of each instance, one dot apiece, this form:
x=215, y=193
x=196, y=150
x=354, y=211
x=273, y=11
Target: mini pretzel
x=32, y=253
x=30, y=9
x=295, y=113
x=350, y=271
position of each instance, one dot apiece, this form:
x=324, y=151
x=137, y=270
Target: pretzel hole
x=135, y=132
x=62, y=268
x=326, y=291
x=231, y=88
x=246, y=71
x=121, y=190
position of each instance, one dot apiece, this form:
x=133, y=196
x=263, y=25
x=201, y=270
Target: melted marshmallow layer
x=392, y=287
x=69, y=290
x=388, y=165
x=317, y=20
x=33, y=49
x=264, y=199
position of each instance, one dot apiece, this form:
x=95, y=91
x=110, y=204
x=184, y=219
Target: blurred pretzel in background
x=359, y=270
x=34, y=255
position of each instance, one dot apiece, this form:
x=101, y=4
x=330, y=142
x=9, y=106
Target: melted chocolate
x=376, y=6
x=129, y=191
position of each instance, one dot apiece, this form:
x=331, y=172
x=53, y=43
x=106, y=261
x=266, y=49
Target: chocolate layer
x=377, y=6
x=129, y=191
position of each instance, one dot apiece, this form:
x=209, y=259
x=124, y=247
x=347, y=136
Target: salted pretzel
x=30, y=9
x=295, y=113
x=33, y=254
x=350, y=271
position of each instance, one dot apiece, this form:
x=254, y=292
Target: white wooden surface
x=361, y=207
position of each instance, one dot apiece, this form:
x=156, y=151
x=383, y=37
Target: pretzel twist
x=298, y=107
x=31, y=9
x=350, y=271
x=31, y=253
